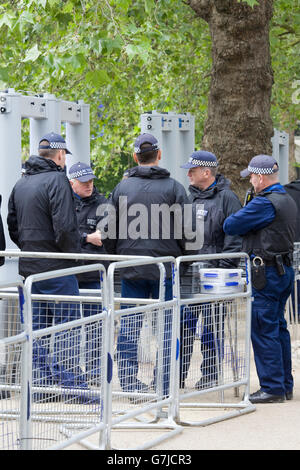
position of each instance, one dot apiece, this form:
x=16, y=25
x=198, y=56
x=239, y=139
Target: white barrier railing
x=57, y=406
x=12, y=344
x=292, y=313
x=138, y=388
x=56, y=414
x=49, y=357
x=220, y=361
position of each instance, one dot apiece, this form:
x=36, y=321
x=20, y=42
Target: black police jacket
x=293, y=189
x=215, y=204
x=86, y=212
x=144, y=188
x=2, y=237
x=41, y=216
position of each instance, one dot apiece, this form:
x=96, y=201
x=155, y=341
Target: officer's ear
x=61, y=158
x=135, y=158
x=159, y=154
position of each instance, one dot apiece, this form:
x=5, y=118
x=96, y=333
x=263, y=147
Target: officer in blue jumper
x=267, y=224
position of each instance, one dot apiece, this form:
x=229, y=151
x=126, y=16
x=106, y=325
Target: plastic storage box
x=228, y=287
x=220, y=275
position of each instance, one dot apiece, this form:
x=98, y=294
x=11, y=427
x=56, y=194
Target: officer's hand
x=94, y=238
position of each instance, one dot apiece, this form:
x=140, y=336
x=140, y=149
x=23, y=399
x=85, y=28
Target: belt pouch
x=258, y=273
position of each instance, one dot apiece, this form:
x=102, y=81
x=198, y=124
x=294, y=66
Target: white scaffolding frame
x=46, y=113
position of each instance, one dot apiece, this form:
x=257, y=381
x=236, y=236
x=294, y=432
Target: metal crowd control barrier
x=215, y=347
x=142, y=388
x=12, y=341
x=53, y=380
x=292, y=307
x=68, y=377
x=51, y=396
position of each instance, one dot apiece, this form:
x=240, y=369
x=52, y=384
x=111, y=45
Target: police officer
x=41, y=217
x=146, y=184
x=3, y=393
x=293, y=189
x=267, y=224
x=218, y=201
x=87, y=202
x=2, y=237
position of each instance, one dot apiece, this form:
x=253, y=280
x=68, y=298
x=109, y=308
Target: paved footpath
x=274, y=426
x=270, y=427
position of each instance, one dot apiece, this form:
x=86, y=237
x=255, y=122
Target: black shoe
x=205, y=382
x=95, y=381
x=289, y=395
x=82, y=399
x=140, y=387
x=4, y=394
x=264, y=397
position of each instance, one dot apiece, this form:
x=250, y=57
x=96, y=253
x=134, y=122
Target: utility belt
x=258, y=268
x=282, y=259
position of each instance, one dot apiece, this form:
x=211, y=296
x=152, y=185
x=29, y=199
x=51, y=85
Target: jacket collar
x=36, y=164
x=219, y=184
x=153, y=172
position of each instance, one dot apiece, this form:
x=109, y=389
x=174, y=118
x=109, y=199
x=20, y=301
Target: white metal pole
x=51, y=123
x=10, y=157
x=78, y=136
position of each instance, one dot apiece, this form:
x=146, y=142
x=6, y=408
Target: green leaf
x=148, y=6
x=4, y=75
x=131, y=50
x=97, y=77
x=141, y=50
x=68, y=7
x=123, y=5
x=6, y=19
x=32, y=54
x=43, y=3
x=27, y=17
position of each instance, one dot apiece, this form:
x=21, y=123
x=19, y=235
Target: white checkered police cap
x=261, y=165
x=56, y=141
x=201, y=158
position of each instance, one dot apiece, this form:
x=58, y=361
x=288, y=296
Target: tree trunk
x=238, y=124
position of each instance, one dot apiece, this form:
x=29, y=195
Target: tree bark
x=238, y=124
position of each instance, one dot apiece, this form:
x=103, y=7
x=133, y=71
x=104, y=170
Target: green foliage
x=285, y=52
x=124, y=57
x=251, y=3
